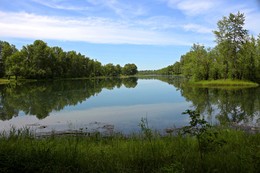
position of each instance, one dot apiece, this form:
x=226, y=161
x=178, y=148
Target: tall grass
x=22, y=152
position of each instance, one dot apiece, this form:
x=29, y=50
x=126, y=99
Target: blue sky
x=150, y=33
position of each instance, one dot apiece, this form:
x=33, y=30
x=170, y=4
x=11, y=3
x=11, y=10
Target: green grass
x=224, y=83
x=21, y=152
x=4, y=81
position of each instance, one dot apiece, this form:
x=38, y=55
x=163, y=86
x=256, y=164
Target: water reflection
x=224, y=104
x=121, y=102
x=41, y=98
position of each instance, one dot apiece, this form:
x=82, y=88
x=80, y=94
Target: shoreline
x=224, y=83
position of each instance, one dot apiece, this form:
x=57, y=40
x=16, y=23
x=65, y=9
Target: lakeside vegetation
x=39, y=61
x=225, y=83
x=44, y=97
x=236, y=55
x=198, y=147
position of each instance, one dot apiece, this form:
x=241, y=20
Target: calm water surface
x=119, y=104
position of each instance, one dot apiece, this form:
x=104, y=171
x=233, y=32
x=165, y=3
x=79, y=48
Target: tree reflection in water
x=41, y=98
x=238, y=105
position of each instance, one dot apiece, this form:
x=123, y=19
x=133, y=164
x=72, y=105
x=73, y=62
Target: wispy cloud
x=122, y=21
x=58, y=4
x=119, y=8
x=191, y=7
x=122, y=9
x=251, y=24
x=90, y=29
x=158, y=23
x=197, y=28
x=206, y=13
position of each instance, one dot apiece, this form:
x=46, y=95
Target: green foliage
x=21, y=152
x=6, y=50
x=145, y=129
x=14, y=65
x=236, y=55
x=39, y=61
x=112, y=70
x=197, y=125
x=224, y=83
x=208, y=138
x=230, y=37
x=129, y=69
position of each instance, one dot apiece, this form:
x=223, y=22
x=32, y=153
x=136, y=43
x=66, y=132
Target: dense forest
x=235, y=56
x=39, y=61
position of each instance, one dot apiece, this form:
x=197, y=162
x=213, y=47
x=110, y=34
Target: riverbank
x=22, y=80
x=224, y=83
x=230, y=151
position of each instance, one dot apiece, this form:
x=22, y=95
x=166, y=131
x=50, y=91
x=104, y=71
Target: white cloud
x=158, y=23
x=90, y=29
x=251, y=24
x=121, y=9
x=197, y=28
x=191, y=7
x=58, y=4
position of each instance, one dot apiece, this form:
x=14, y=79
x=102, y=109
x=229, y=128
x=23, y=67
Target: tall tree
x=15, y=65
x=6, y=50
x=247, y=60
x=230, y=37
x=258, y=57
x=196, y=63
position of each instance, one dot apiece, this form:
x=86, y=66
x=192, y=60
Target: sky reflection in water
x=93, y=104
x=122, y=107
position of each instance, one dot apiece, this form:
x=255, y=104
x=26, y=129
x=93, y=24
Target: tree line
x=236, y=55
x=39, y=61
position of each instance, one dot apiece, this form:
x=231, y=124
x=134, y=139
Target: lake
x=119, y=104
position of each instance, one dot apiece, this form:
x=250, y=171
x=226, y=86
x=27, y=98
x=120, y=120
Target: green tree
x=196, y=63
x=247, y=60
x=58, y=61
x=216, y=68
x=118, y=70
x=176, y=68
x=129, y=69
x=230, y=37
x=6, y=50
x=38, y=61
x=15, y=65
x=110, y=70
x=258, y=58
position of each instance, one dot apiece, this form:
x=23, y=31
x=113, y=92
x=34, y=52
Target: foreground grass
x=224, y=83
x=162, y=154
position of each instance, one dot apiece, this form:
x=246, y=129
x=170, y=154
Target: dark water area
x=120, y=104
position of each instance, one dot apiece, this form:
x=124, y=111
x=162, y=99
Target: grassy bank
x=224, y=83
x=234, y=151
